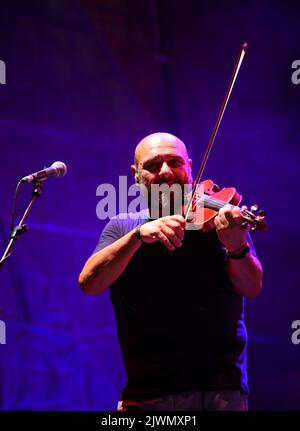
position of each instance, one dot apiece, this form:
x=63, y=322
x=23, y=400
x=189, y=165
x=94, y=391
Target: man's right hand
x=167, y=230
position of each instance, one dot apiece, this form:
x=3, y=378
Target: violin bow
x=217, y=125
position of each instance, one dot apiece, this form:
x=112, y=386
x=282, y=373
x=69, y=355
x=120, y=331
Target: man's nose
x=165, y=170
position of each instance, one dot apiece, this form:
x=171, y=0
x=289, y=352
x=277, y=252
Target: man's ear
x=191, y=163
x=134, y=173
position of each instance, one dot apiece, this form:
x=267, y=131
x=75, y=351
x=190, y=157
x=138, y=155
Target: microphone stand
x=21, y=227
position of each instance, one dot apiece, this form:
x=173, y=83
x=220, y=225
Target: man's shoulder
x=131, y=218
x=120, y=225
x=125, y=222
x=140, y=215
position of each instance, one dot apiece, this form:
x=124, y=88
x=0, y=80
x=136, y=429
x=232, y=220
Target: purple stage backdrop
x=83, y=82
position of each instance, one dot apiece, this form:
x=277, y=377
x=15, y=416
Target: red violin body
x=209, y=199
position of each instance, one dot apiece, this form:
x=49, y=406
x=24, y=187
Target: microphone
x=57, y=169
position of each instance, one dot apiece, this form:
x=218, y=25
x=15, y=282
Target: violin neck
x=208, y=201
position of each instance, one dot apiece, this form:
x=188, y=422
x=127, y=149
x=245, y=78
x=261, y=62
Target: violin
x=206, y=198
x=209, y=199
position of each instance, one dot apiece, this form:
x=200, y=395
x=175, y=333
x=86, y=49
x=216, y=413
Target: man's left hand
x=229, y=227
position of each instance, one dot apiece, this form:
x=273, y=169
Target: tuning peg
x=254, y=208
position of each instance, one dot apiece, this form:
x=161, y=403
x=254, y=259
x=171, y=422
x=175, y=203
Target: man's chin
x=165, y=206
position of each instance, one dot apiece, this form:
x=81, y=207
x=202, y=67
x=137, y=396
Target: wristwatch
x=240, y=253
x=138, y=232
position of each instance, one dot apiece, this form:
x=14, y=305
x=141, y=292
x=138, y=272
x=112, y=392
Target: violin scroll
x=255, y=218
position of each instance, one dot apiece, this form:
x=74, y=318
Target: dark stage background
x=85, y=81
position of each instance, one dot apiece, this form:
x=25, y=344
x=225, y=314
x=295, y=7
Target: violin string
x=217, y=204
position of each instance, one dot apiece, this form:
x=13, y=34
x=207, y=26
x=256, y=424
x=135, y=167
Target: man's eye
x=153, y=167
x=175, y=163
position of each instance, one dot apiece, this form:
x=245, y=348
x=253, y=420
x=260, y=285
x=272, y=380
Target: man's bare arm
x=105, y=267
x=246, y=274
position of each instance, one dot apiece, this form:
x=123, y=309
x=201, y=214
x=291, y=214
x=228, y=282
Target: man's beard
x=165, y=200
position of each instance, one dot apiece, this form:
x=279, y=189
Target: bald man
x=180, y=317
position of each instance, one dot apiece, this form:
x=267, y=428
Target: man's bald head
x=161, y=157
x=157, y=141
